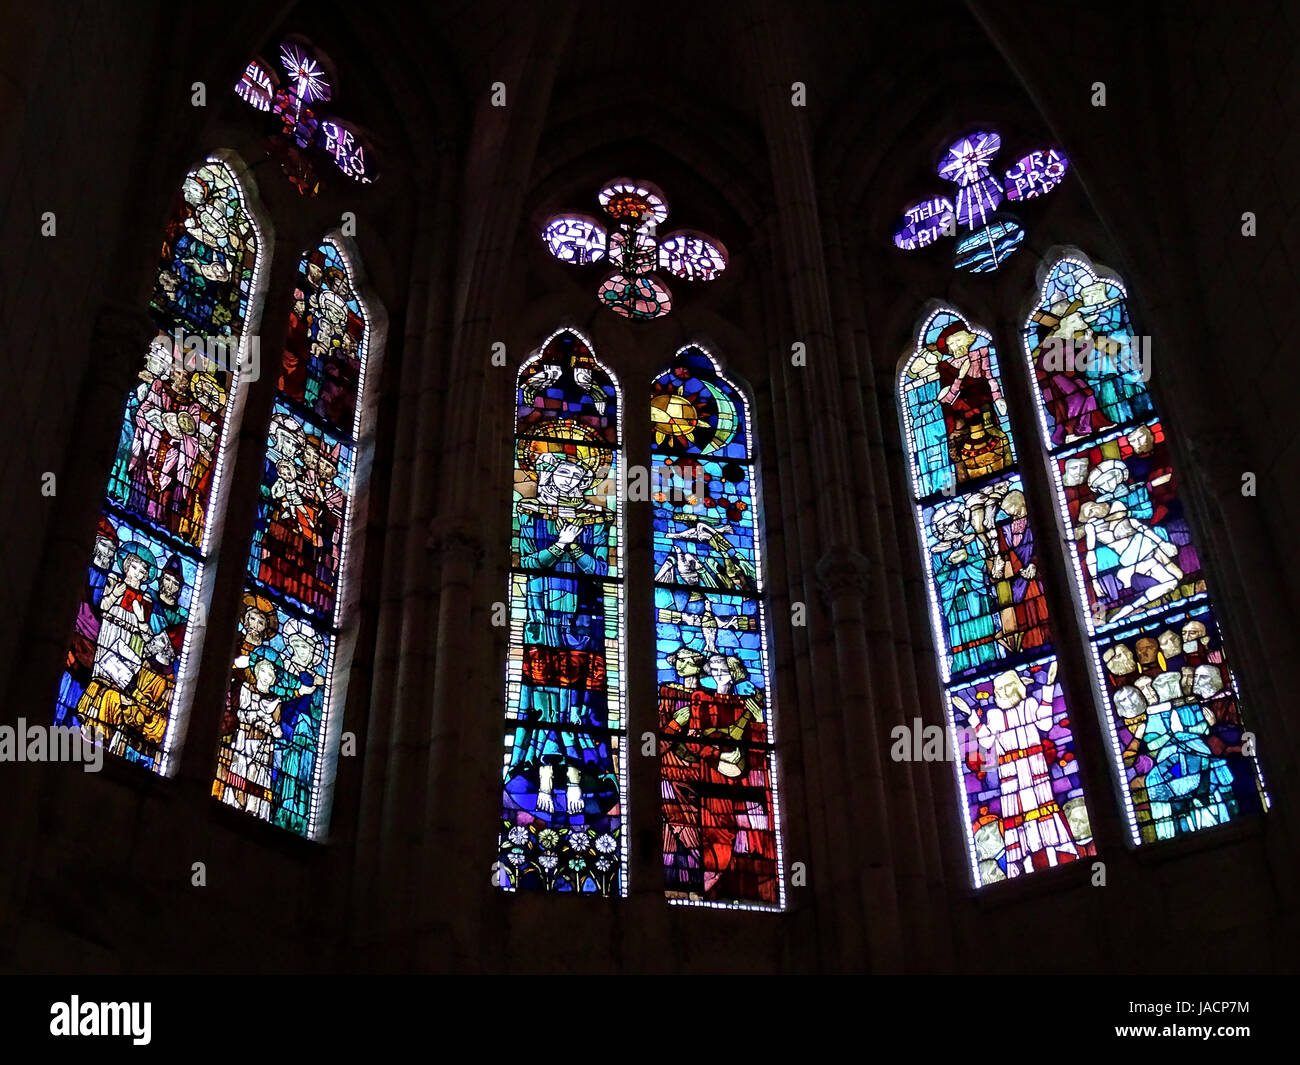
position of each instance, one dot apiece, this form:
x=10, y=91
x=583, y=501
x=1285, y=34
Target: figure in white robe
x=1014, y=730
x=255, y=739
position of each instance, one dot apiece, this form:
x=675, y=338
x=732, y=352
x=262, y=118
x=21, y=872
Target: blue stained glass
x=279, y=731
x=704, y=526
x=1091, y=369
x=128, y=669
x=985, y=567
x=989, y=246
x=1167, y=693
x=956, y=421
x=130, y=642
x=209, y=260
x=273, y=723
x=717, y=764
x=1177, y=726
x=1008, y=725
x=563, y=769
x=695, y=412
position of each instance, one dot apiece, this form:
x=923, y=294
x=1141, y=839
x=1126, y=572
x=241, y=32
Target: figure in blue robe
x=562, y=705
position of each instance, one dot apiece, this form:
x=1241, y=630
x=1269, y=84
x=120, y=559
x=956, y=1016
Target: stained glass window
x=1162, y=669
x=717, y=762
x=1011, y=735
x=565, y=732
x=279, y=732
x=135, y=641
x=991, y=236
x=292, y=95
x=635, y=211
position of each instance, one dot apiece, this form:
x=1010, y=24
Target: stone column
x=437, y=825
x=867, y=399
x=863, y=900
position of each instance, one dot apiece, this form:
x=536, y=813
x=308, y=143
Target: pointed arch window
x=1009, y=727
x=1163, y=674
x=136, y=640
x=717, y=760
x=280, y=728
x=564, y=787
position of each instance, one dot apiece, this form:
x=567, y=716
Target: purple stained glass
x=967, y=163
x=1015, y=750
x=347, y=151
x=1035, y=174
x=573, y=239
x=634, y=248
x=256, y=87
x=310, y=83
x=924, y=223
x=967, y=159
x=692, y=257
x=977, y=202
x=300, y=126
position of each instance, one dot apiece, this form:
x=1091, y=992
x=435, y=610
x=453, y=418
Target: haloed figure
x=563, y=539
x=258, y=712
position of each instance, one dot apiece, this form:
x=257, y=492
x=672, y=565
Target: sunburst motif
x=993, y=237
x=675, y=419
x=306, y=73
